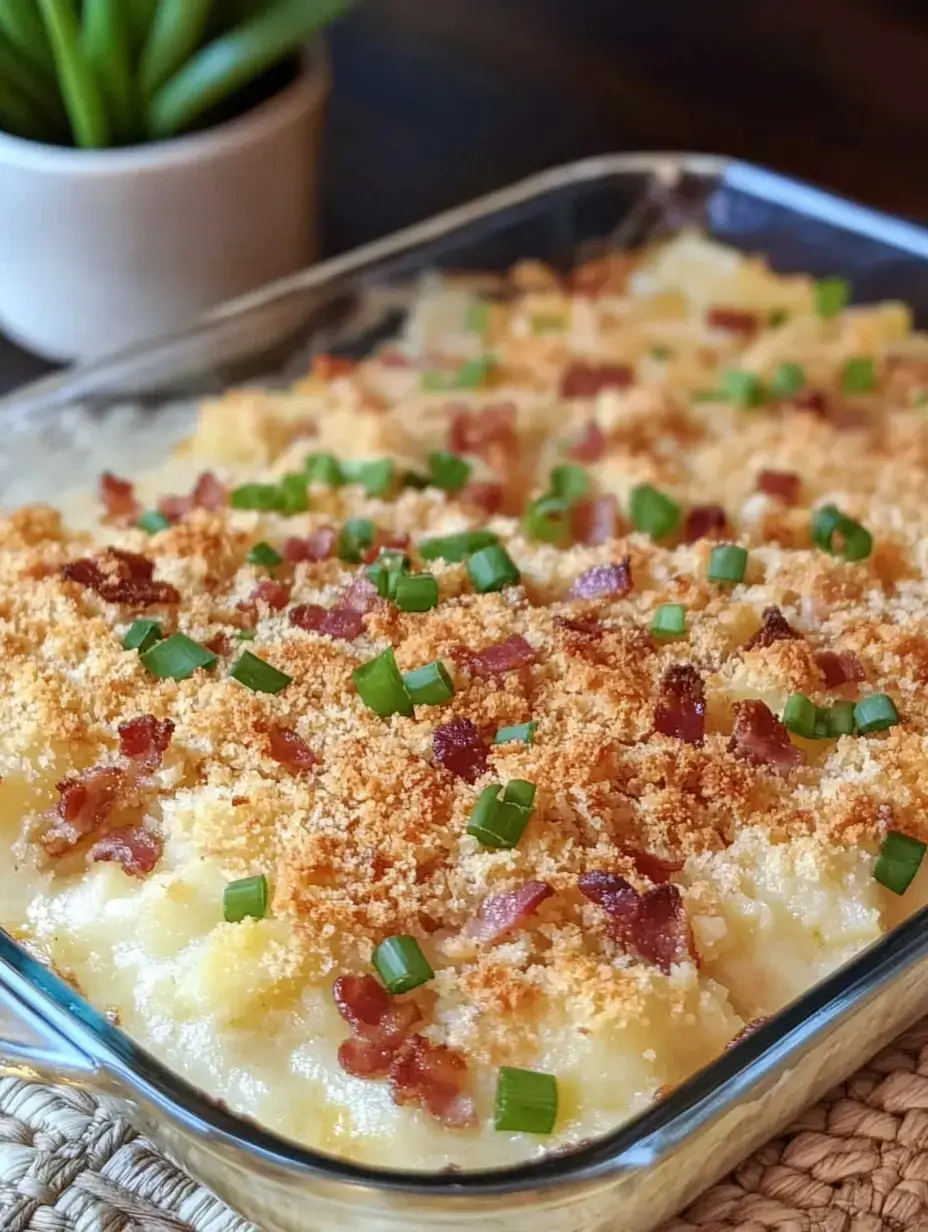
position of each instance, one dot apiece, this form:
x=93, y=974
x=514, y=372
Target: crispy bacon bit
x=490, y=497
x=121, y=577
x=275, y=594
x=378, y=1023
x=732, y=320
x=361, y=596
x=603, y=581
x=315, y=547
x=87, y=799
x=588, y=626
x=591, y=444
x=585, y=380
x=841, y=668
x=457, y=746
x=681, y=705
x=704, y=522
x=501, y=914
x=340, y=622
x=653, y=867
x=308, y=616
x=289, y=749
x=813, y=401
x=754, y=1025
x=328, y=367
x=208, y=493
x=145, y=740
x=393, y=357
x=654, y=923
x=595, y=521
x=505, y=656
x=490, y=432
x=138, y=850
x=118, y=498
x=432, y=1077
x=775, y=628
x=784, y=485
x=219, y=643
x=761, y=739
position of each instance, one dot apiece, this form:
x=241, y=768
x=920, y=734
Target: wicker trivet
x=855, y=1162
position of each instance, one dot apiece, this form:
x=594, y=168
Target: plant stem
x=82, y=96
x=236, y=58
x=141, y=13
x=35, y=88
x=22, y=24
x=174, y=36
x=106, y=42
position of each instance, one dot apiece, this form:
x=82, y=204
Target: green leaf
x=108, y=47
x=33, y=92
x=21, y=22
x=176, y=32
x=234, y=59
x=83, y=98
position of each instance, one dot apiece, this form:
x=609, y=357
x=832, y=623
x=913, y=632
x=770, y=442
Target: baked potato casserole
x=442, y=759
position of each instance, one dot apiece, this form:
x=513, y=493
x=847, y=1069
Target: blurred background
x=437, y=101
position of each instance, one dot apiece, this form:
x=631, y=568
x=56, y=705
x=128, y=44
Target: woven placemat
x=855, y=1162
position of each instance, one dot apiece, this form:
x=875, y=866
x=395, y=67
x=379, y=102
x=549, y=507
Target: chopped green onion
x=526, y=1101
x=142, y=635
x=492, y=568
x=742, y=388
x=820, y=729
x=500, y=823
x=448, y=471
x=706, y=395
x=569, y=483
x=875, y=713
x=380, y=686
x=456, y=548
x=799, y=715
x=263, y=554
x=247, y=897
x=401, y=965
x=831, y=296
x=519, y=792
x=899, y=860
x=246, y=635
x=787, y=380
x=357, y=534
x=153, y=521
x=834, y=532
x=386, y=571
x=416, y=592
x=435, y=382
x=324, y=468
x=922, y=398
x=652, y=512
x=727, y=563
x=293, y=495
x=257, y=675
x=261, y=496
x=547, y=520
x=669, y=621
x=473, y=373
x=430, y=685
x=660, y=353
x=778, y=317
x=376, y=478
x=858, y=375
x=521, y=733
x=545, y=324
x=478, y=316
x=839, y=719
x=177, y=657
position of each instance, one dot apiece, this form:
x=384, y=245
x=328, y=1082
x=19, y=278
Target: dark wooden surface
x=437, y=101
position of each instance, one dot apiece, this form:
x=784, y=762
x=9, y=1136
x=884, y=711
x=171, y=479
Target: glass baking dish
x=649, y=1168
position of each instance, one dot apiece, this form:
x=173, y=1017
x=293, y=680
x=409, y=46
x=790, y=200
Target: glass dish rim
x=644, y=1138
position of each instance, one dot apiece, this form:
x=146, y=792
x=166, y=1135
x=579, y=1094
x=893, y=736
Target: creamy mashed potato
x=695, y=866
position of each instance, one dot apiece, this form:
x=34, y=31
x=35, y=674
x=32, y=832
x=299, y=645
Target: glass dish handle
x=34, y=1037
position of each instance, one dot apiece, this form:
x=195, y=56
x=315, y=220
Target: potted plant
x=156, y=158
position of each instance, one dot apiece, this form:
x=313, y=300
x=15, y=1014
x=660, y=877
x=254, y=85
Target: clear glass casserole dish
x=641, y=1173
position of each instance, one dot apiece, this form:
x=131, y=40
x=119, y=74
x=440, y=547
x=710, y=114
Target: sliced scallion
x=258, y=675
x=293, y=497
x=519, y=733
x=526, y=1101
x=831, y=296
x=787, y=380
x=430, y=685
x=500, y=822
x=142, y=635
x=899, y=860
x=380, y=686
x=401, y=965
x=263, y=554
x=153, y=521
x=448, y=471
x=245, y=898
x=839, y=719
x=376, y=478
x=569, y=483
x=799, y=715
x=458, y=547
x=357, y=534
x=669, y=621
x=177, y=657
x=858, y=375
x=416, y=592
x=743, y=388
x=652, y=512
x=264, y=497
x=727, y=564
x=834, y=532
x=547, y=520
x=875, y=713
x=324, y=468
x=492, y=568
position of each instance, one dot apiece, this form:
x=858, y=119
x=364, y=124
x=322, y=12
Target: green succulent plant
x=97, y=73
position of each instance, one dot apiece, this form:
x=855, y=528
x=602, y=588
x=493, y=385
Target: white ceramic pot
x=100, y=249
